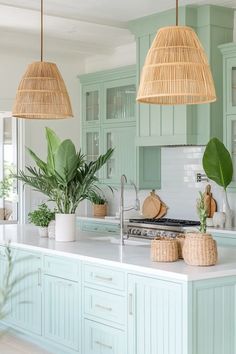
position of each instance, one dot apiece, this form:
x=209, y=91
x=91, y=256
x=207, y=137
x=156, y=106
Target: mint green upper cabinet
x=192, y=124
x=229, y=89
x=120, y=100
x=122, y=139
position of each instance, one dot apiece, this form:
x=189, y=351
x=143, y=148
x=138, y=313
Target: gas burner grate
x=166, y=221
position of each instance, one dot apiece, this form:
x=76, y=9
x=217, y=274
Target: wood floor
x=13, y=345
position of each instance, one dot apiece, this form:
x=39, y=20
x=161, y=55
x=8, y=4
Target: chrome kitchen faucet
x=136, y=206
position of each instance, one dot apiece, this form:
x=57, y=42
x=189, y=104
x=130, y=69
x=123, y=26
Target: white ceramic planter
x=65, y=228
x=43, y=231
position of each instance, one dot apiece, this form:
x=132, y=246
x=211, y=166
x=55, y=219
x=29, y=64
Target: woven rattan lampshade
x=42, y=93
x=176, y=70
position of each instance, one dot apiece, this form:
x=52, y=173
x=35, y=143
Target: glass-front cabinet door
x=91, y=104
x=231, y=86
x=119, y=102
x=231, y=143
x=91, y=143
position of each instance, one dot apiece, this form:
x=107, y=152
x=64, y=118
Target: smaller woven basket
x=180, y=240
x=200, y=249
x=99, y=210
x=164, y=250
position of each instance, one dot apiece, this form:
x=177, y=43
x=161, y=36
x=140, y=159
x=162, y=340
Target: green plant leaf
x=217, y=163
x=53, y=144
x=40, y=163
x=66, y=160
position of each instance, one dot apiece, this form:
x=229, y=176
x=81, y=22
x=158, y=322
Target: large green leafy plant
x=66, y=178
x=217, y=163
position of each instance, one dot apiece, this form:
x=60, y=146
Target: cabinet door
x=91, y=143
x=91, y=104
x=155, y=317
x=61, y=311
x=101, y=339
x=25, y=305
x=120, y=100
x=231, y=143
x=122, y=139
x=231, y=86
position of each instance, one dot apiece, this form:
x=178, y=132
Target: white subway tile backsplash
x=179, y=187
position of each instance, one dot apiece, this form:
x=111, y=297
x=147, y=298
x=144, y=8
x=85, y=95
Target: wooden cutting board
x=210, y=202
x=151, y=206
x=162, y=211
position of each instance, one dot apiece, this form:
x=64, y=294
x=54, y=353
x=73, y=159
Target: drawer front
x=105, y=277
x=104, y=306
x=61, y=267
x=101, y=339
x=100, y=227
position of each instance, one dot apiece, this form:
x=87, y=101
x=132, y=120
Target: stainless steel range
x=151, y=228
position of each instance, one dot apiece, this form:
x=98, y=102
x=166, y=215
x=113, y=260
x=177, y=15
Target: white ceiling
x=86, y=26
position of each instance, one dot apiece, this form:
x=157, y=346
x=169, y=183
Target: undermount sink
x=116, y=240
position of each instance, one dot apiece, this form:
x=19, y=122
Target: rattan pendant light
x=42, y=92
x=176, y=69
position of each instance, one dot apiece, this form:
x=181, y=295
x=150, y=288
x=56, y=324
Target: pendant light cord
x=177, y=12
x=41, y=30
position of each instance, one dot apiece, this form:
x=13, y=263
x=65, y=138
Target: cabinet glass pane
x=121, y=102
x=234, y=147
x=110, y=173
x=92, y=106
x=234, y=86
x=92, y=146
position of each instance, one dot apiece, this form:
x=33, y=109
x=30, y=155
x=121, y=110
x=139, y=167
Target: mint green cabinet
x=25, y=307
x=213, y=313
x=168, y=125
x=91, y=110
x=155, y=319
x=120, y=100
x=229, y=70
x=101, y=227
x=121, y=139
x=101, y=339
x=61, y=311
x=109, y=120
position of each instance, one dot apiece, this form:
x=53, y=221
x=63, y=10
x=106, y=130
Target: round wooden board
x=162, y=212
x=151, y=206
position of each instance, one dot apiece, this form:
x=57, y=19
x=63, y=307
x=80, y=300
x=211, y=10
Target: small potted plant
x=41, y=217
x=200, y=248
x=99, y=204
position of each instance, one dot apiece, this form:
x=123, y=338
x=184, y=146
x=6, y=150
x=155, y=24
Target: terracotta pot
x=99, y=210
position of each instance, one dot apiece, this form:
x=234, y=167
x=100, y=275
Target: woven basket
x=180, y=240
x=199, y=249
x=164, y=250
x=99, y=210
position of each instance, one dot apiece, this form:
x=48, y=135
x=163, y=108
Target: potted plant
x=199, y=248
x=99, y=204
x=41, y=217
x=218, y=166
x=66, y=178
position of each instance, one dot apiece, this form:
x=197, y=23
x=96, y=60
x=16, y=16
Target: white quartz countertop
x=129, y=257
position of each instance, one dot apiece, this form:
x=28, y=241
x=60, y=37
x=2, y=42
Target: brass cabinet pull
x=103, y=344
x=103, y=307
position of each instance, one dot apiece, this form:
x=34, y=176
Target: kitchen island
x=93, y=297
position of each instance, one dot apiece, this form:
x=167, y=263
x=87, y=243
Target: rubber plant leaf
x=217, y=163
x=66, y=161
x=53, y=143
